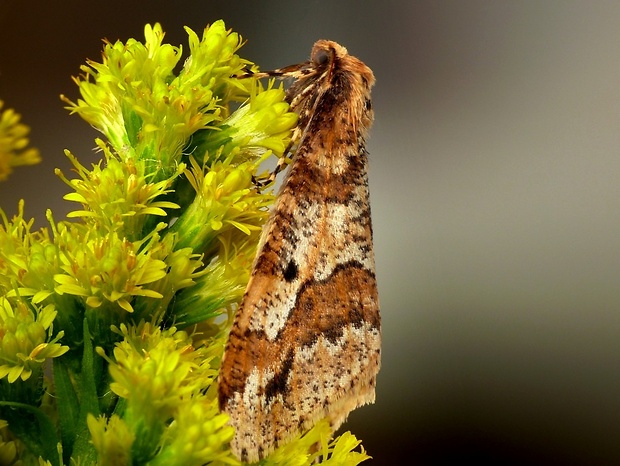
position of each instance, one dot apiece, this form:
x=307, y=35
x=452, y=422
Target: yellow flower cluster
x=14, y=150
x=161, y=375
x=24, y=335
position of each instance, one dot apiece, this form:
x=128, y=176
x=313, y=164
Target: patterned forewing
x=305, y=343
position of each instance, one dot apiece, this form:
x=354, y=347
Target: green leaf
x=83, y=449
x=68, y=406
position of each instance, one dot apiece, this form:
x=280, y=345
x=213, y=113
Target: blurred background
x=495, y=184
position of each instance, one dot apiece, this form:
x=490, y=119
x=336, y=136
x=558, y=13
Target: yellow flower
x=303, y=450
x=145, y=111
x=14, y=150
x=108, y=269
x=120, y=196
x=25, y=341
x=112, y=440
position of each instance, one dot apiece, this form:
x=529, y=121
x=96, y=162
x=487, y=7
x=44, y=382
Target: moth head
x=325, y=52
x=331, y=81
x=328, y=56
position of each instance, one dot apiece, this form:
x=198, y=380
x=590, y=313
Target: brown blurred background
x=495, y=180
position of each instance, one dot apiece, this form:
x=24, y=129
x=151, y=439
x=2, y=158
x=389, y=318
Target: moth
x=306, y=340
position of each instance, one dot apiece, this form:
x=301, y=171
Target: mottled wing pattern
x=305, y=343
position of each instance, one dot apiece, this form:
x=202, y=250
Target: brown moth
x=306, y=341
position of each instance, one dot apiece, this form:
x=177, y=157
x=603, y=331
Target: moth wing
x=306, y=341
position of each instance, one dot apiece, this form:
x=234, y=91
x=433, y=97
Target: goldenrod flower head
x=112, y=439
x=198, y=435
x=183, y=268
x=42, y=263
x=128, y=87
x=226, y=200
x=26, y=339
x=153, y=369
x=162, y=376
x=15, y=241
x=221, y=285
x=143, y=108
x=263, y=124
x=119, y=197
x=302, y=451
x=108, y=269
x=28, y=260
x=14, y=150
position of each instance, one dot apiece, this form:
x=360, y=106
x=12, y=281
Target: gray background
x=495, y=172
